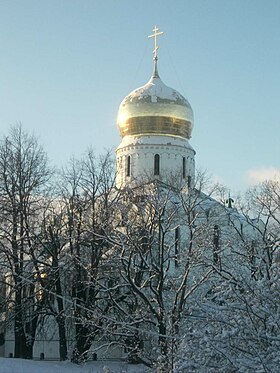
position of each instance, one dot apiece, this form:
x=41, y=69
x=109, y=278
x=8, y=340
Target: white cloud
x=258, y=175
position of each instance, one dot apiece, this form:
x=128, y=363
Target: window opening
x=184, y=167
x=177, y=246
x=156, y=164
x=216, y=244
x=128, y=166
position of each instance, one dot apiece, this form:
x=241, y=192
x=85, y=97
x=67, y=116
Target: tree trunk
x=61, y=317
x=20, y=350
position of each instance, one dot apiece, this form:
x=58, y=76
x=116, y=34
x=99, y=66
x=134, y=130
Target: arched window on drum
x=184, y=168
x=156, y=164
x=128, y=165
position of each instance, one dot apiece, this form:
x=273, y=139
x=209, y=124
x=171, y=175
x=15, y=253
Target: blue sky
x=66, y=65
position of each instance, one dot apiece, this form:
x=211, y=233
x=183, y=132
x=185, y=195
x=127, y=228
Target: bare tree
x=51, y=263
x=86, y=192
x=24, y=175
x=237, y=327
x=160, y=264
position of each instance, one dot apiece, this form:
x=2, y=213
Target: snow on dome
x=155, y=109
x=156, y=90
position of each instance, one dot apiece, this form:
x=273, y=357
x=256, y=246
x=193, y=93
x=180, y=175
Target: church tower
x=155, y=123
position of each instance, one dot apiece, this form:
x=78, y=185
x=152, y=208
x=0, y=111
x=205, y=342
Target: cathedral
x=188, y=224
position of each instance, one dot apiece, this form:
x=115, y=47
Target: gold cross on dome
x=154, y=35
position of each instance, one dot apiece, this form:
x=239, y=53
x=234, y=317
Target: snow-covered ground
x=28, y=366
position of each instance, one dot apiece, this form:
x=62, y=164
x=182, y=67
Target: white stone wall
x=142, y=150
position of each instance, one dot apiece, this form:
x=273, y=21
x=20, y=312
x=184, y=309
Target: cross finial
x=154, y=35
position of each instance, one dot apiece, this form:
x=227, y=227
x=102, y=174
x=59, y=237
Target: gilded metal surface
x=160, y=108
x=155, y=109
x=156, y=125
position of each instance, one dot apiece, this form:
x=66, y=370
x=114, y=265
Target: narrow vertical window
x=216, y=244
x=177, y=246
x=184, y=167
x=128, y=166
x=189, y=181
x=156, y=164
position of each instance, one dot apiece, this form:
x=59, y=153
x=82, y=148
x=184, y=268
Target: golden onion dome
x=155, y=109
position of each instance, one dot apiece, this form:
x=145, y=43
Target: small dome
x=155, y=109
